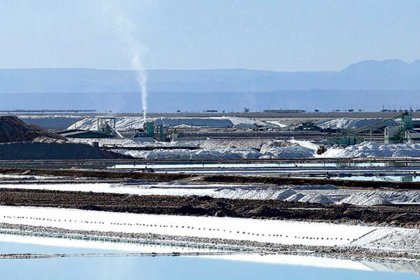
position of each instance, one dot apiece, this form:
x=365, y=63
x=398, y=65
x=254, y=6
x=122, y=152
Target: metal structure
x=106, y=125
x=149, y=129
x=393, y=134
x=105, y=129
x=157, y=132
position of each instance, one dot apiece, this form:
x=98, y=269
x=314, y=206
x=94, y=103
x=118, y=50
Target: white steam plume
x=125, y=29
x=141, y=80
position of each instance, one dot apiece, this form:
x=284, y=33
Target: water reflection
x=176, y=268
x=96, y=260
x=401, y=178
x=343, y=164
x=251, y=165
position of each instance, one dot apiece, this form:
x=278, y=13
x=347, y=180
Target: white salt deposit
x=307, y=144
x=383, y=197
x=103, y=245
x=120, y=124
x=128, y=123
x=269, y=150
x=391, y=239
x=346, y=123
x=373, y=149
x=274, y=231
x=324, y=194
x=282, y=232
x=320, y=194
x=285, y=149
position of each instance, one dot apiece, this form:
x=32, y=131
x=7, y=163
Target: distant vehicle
x=210, y=111
x=316, y=111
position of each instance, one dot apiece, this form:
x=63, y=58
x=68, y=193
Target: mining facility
x=342, y=184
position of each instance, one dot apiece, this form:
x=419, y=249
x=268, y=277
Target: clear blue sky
x=290, y=35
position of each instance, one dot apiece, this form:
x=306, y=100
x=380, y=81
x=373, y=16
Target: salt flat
x=272, y=231
x=264, y=231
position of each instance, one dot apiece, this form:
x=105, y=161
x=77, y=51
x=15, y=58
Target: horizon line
x=209, y=69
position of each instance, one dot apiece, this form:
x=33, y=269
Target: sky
x=280, y=35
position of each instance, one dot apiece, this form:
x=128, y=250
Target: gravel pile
x=13, y=129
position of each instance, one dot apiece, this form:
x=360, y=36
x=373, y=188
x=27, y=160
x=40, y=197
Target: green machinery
x=149, y=129
x=159, y=132
x=393, y=134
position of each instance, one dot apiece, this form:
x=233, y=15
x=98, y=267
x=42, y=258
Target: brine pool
x=179, y=267
x=248, y=165
x=405, y=178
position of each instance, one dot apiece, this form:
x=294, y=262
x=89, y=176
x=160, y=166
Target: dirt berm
x=37, y=150
x=13, y=129
x=408, y=216
x=20, y=141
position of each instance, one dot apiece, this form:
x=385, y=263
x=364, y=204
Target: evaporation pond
x=247, y=165
x=180, y=268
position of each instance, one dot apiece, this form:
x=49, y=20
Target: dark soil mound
x=407, y=216
x=13, y=129
x=36, y=151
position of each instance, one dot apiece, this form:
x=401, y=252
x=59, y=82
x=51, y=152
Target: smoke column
x=125, y=29
x=141, y=80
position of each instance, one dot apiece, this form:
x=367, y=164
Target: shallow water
x=173, y=268
x=407, y=178
x=163, y=267
x=291, y=168
x=246, y=165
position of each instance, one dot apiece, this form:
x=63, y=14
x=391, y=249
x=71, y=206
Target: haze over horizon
x=390, y=60
x=290, y=36
x=367, y=85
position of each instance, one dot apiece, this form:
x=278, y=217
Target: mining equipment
x=105, y=129
x=157, y=132
x=392, y=134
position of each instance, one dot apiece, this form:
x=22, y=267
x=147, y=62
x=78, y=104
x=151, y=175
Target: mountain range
x=60, y=87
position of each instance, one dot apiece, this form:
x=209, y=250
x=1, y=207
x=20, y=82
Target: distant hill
x=365, y=75
x=117, y=89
